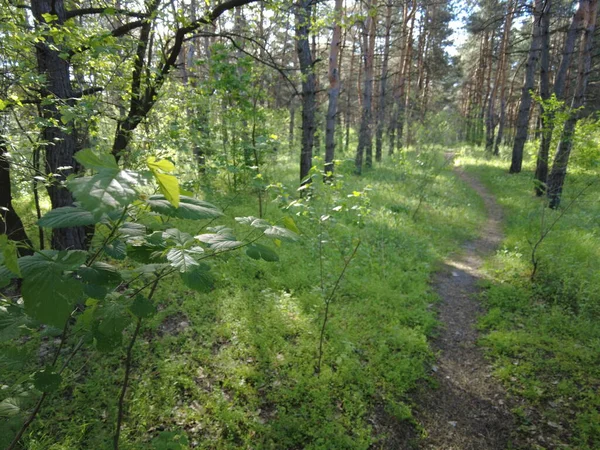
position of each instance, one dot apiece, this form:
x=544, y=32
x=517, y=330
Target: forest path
x=468, y=409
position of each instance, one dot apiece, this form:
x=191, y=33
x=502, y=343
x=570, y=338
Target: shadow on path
x=468, y=409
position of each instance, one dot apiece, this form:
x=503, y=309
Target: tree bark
x=525, y=106
x=381, y=110
x=303, y=19
x=365, y=134
x=577, y=24
x=334, y=89
x=60, y=141
x=561, y=160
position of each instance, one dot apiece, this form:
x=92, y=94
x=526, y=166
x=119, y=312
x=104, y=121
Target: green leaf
x=189, y=208
x=183, y=258
x=12, y=318
x=116, y=249
x=289, y=223
x=95, y=160
x=199, y=278
x=10, y=407
x=258, y=251
x=94, y=291
x=109, y=189
x=277, y=232
x=100, y=273
x=50, y=297
x=177, y=236
x=5, y=276
x=142, y=307
x=111, y=319
x=170, y=440
x=219, y=241
x=168, y=184
x=132, y=229
x=10, y=254
x=46, y=380
x=67, y=216
x=253, y=222
x=51, y=260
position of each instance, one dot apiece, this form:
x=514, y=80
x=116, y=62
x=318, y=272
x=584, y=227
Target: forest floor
x=468, y=410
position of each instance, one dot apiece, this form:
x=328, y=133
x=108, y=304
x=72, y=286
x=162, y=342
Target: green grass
x=235, y=368
x=543, y=336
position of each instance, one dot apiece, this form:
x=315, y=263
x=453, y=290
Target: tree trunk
x=383, y=85
x=541, y=172
x=303, y=22
x=334, y=89
x=365, y=133
x=525, y=107
x=10, y=222
x=60, y=141
x=561, y=160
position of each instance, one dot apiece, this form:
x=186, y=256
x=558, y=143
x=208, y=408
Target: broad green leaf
x=50, y=297
x=95, y=160
x=14, y=358
x=109, y=189
x=277, y=232
x=12, y=318
x=177, y=236
x=46, y=380
x=184, y=258
x=189, y=208
x=170, y=440
x=219, y=242
x=142, y=307
x=5, y=276
x=289, y=223
x=95, y=291
x=111, y=319
x=10, y=407
x=199, y=278
x=116, y=249
x=168, y=184
x=67, y=216
x=10, y=255
x=253, y=222
x=258, y=251
x=100, y=273
x=51, y=260
x=132, y=229
x=141, y=253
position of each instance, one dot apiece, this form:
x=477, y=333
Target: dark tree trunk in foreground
x=365, y=133
x=60, y=141
x=525, y=106
x=561, y=160
x=334, y=90
x=303, y=19
x=577, y=24
x=10, y=222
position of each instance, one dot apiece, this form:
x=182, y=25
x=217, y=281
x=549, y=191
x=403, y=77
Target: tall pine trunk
x=525, y=106
x=381, y=109
x=558, y=174
x=334, y=89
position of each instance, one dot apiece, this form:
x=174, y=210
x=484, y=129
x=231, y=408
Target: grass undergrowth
x=543, y=335
x=235, y=368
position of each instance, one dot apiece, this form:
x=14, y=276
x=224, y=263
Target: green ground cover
x=235, y=367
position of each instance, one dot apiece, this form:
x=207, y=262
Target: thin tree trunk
x=561, y=160
x=383, y=85
x=365, y=134
x=577, y=24
x=334, y=89
x=303, y=23
x=525, y=106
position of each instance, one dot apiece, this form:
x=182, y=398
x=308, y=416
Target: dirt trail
x=468, y=410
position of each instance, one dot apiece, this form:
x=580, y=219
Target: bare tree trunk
x=334, y=89
x=577, y=24
x=365, y=133
x=61, y=142
x=525, y=107
x=383, y=85
x=303, y=20
x=561, y=160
